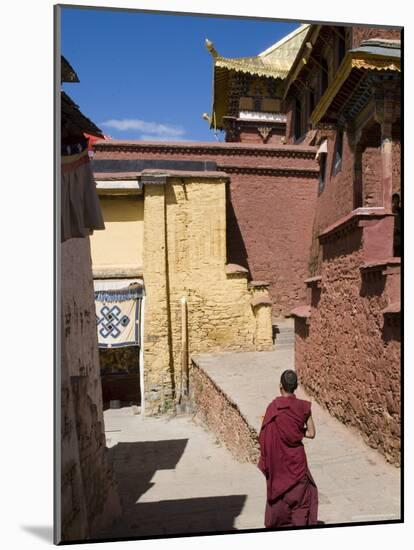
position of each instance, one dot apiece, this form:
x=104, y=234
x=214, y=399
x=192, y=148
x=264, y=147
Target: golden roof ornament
x=211, y=48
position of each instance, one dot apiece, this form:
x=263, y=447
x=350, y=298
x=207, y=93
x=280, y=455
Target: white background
x=26, y=272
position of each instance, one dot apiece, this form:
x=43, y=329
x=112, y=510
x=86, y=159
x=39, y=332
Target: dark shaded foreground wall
x=89, y=496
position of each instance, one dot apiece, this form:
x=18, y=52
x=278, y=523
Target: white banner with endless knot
x=118, y=317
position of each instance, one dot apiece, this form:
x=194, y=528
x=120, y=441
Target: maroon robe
x=292, y=497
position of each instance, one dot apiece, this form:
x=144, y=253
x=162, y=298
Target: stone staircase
x=284, y=334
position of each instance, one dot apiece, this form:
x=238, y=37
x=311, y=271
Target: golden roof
x=362, y=58
x=275, y=62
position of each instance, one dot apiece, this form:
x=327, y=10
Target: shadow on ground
x=135, y=464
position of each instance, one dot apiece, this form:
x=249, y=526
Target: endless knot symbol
x=110, y=321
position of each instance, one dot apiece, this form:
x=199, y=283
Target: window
x=338, y=151
x=257, y=103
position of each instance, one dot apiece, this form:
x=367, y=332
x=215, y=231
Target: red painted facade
x=348, y=337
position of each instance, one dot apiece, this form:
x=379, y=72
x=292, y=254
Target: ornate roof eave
x=262, y=65
x=221, y=87
x=302, y=57
x=222, y=67
x=250, y=66
x=353, y=60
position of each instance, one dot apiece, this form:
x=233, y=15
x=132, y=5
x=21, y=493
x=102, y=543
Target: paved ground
x=174, y=477
x=355, y=482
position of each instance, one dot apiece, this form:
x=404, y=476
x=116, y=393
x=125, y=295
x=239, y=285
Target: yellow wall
x=185, y=256
x=120, y=245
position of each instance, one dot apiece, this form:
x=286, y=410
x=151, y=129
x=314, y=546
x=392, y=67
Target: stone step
x=284, y=343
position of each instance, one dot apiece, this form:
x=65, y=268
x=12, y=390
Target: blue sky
x=149, y=76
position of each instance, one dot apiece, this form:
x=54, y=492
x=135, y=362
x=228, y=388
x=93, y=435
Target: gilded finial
x=211, y=48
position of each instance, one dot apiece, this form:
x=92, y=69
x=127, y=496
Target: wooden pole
x=184, y=347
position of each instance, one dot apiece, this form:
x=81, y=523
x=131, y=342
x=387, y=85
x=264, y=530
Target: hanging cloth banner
x=118, y=317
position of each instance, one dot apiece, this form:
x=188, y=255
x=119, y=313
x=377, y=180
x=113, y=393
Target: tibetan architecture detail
x=296, y=214
x=250, y=85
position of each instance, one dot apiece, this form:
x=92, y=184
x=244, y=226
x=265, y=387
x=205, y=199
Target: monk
x=292, y=495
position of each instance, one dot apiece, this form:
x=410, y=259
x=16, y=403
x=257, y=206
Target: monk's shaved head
x=289, y=381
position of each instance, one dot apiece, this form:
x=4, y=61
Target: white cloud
x=151, y=130
x=160, y=137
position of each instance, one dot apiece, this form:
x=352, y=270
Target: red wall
x=269, y=216
x=396, y=166
x=336, y=200
x=348, y=357
x=371, y=176
x=251, y=135
x=274, y=217
x=360, y=33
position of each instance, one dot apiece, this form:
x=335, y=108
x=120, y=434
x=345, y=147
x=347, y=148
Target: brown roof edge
x=68, y=73
x=185, y=174
x=106, y=145
x=355, y=215
x=303, y=312
x=261, y=301
x=114, y=176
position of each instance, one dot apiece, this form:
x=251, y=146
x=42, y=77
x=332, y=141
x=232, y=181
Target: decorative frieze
x=262, y=116
x=268, y=171
x=228, y=149
x=264, y=131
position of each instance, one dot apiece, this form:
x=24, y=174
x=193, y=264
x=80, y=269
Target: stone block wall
x=347, y=352
x=221, y=415
x=90, y=501
x=185, y=257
